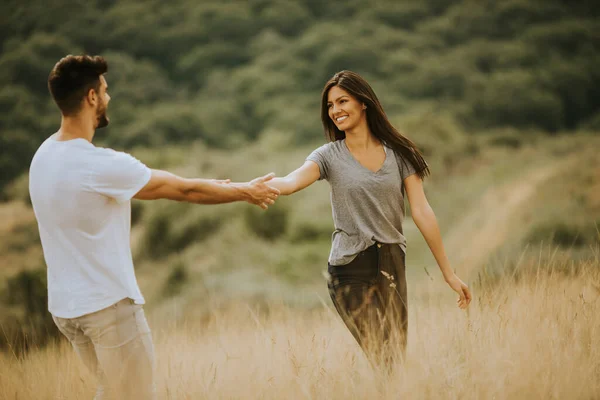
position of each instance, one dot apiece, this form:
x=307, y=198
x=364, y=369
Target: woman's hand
x=462, y=289
x=260, y=193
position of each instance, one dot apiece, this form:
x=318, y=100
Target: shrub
x=515, y=99
x=268, y=225
x=308, y=232
x=510, y=140
x=171, y=229
x=288, y=18
x=23, y=236
x=593, y=123
x=177, y=278
x=18, y=190
x=165, y=124
x=563, y=234
x=137, y=210
x=31, y=325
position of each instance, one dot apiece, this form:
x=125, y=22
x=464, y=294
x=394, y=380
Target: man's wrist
x=242, y=190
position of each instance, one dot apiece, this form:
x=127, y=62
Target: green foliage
x=269, y=225
x=510, y=139
x=162, y=125
x=177, y=278
x=172, y=228
x=29, y=62
x=287, y=18
x=137, y=211
x=23, y=236
x=593, y=124
x=564, y=234
x=503, y=102
x=33, y=327
x=311, y=232
x=28, y=288
x=224, y=73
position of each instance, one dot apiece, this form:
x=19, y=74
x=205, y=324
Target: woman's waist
x=345, y=249
x=357, y=237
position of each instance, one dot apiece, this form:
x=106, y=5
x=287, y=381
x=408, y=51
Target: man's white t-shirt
x=81, y=198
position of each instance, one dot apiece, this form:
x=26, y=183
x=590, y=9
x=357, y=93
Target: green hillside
x=225, y=73
x=503, y=97
x=494, y=204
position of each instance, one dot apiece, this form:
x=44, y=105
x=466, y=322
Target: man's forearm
x=206, y=191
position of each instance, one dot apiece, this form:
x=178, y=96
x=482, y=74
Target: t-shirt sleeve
x=320, y=157
x=406, y=167
x=118, y=175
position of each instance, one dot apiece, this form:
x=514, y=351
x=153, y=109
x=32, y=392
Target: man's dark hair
x=72, y=78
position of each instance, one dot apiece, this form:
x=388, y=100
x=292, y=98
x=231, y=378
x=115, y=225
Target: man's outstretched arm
x=165, y=185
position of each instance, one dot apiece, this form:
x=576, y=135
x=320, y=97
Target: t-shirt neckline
x=349, y=153
x=53, y=139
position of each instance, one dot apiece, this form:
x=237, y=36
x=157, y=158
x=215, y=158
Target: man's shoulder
x=41, y=152
x=110, y=157
x=44, y=146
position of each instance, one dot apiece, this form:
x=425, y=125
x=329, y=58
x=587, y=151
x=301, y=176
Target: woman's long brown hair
x=378, y=122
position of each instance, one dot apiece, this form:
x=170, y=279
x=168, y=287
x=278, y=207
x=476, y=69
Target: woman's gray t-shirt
x=367, y=206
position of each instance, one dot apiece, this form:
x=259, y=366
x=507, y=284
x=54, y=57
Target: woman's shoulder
x=331, y=147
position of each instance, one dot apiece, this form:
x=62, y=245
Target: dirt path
x=488, y=224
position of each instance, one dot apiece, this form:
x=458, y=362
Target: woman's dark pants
x=370, y=295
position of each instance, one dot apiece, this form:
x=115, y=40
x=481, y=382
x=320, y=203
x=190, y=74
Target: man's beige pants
x=115, y=344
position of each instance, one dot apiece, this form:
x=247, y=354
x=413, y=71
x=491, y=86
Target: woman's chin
x=342, y=127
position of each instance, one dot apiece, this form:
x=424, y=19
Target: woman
x=370, y=166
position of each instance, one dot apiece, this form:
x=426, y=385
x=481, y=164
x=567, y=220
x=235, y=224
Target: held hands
x=462, y=289
x=260, y=193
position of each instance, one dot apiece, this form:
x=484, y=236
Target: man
x=81, y=198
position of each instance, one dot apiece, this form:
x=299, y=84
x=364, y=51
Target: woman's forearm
x=297, y=180
x=286, y=185
x=427, y=223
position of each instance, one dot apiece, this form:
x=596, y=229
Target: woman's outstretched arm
x=297, y=180
x=425, y=219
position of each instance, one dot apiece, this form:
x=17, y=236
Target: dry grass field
x=529, y=334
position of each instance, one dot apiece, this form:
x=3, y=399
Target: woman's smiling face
x=345, y=111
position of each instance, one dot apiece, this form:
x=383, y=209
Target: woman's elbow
x=423, y=213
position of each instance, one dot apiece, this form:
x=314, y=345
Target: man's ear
x=91, y=97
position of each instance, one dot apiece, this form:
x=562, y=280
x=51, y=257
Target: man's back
x=80, y=195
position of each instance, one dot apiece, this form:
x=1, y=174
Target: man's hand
x=260, y=193
x=462, y=289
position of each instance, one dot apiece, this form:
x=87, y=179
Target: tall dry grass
x=530, y=334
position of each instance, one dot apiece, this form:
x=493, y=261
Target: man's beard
x=101, y=118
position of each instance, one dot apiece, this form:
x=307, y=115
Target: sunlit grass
x=530, y=335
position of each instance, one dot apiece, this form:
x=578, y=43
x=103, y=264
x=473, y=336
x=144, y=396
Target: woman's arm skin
x=295, y=181
x=425, y=219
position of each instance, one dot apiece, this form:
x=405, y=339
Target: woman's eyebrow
x=344, y=95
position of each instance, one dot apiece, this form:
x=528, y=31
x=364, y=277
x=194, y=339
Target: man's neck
x=75, y=128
